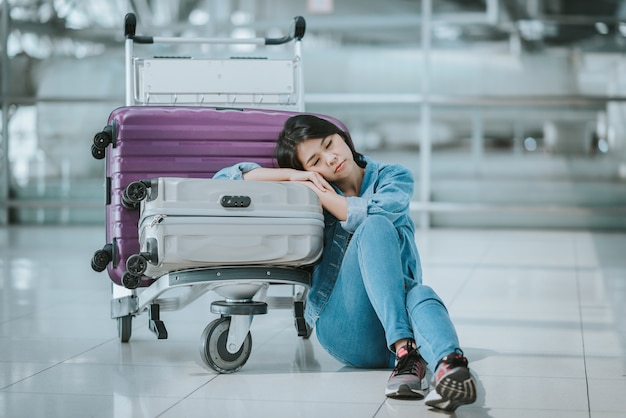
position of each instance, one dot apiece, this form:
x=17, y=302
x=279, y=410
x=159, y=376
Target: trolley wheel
x=134, y=193
x=213, y=348
x=100, y=260
x=124, y=327
x=136, y=264
x=97, y=153
x=131, y=281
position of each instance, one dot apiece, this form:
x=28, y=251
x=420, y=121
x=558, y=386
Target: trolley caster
x=97, y=153
x=124, y=327
x=214, y=351
x=136, y=264
x=101, y=258
x=134, y=193
x=100, y=141
x=131, y=281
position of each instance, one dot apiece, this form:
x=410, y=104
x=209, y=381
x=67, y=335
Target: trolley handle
x=296, y=31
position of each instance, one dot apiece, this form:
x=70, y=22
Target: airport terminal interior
x=511, y=115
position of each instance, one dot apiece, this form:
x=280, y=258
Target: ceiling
x=41, y=28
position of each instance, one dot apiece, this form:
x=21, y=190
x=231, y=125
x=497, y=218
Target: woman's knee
x=376, y=227
x=421, y=294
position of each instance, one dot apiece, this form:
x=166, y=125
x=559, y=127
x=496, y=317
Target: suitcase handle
x=296, y=32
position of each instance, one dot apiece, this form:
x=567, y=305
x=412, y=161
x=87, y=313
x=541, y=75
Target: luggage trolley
x=163, y=94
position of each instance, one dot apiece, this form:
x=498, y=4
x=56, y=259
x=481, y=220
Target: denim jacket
x=386, y=190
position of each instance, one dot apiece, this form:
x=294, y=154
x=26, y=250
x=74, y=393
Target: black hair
x=300, y=128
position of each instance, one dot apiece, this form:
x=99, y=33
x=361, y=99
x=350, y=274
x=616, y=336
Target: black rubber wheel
x=213, y=348
x=100, y=260
x=136, y=264
x=130, y=281
x=134, y=193
x=102, y=139
x=125, y=327
x=97, y=153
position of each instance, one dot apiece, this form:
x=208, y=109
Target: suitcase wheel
x=136, y=264
x=100, y=141
x=124, y=327
x=100, y=260
x=97, y=153
x=131, y=281
x=213, y=348
x=134, y=193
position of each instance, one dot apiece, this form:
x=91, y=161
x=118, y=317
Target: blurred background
x=511, y=113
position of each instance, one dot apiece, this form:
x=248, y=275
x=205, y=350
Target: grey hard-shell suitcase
x=188, y=223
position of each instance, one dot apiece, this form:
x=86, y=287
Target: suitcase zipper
x=157, y=220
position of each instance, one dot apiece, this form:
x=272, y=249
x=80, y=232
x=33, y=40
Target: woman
x=367, y=301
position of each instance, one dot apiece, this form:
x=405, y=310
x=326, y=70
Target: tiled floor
x=541, y=316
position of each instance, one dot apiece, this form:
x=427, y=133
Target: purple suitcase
x=146, y=142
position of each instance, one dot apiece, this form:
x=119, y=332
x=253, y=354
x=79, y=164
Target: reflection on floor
x=540, y=314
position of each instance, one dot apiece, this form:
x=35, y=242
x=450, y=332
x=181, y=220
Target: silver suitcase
x=188, y=223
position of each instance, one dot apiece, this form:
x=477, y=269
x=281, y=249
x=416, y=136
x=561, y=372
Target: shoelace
x=408, y=363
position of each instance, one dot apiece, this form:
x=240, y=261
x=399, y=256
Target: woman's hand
x=289, y=174
x=310, y=177
x=331, y=201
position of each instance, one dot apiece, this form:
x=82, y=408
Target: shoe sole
x=405, y=392
x=456, y=388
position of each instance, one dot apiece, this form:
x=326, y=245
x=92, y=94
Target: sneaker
x=407, y=381
x=454, y=384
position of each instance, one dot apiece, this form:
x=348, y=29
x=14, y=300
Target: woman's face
x=330, y=157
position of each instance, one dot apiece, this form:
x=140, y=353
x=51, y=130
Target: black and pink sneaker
x=454, y=384
x=407, y=381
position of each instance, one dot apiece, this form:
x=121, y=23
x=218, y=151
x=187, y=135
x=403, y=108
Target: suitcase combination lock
x=235, y=201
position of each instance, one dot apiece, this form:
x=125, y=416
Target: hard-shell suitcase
x=193, y=223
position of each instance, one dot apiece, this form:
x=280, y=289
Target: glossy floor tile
x=540, y=314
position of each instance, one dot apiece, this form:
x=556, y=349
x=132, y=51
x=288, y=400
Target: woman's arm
x=333, y=202
x=390, y=197
x=289, y=174
x=269, y=174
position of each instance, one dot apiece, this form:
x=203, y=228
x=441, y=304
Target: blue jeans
x=372, y=305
